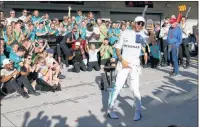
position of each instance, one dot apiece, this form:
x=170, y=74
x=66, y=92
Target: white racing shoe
x=112, y=115
x=137, y=115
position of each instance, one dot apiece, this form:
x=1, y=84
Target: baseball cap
x=49, y=50
x=6, y=61
x=172, y=20
x=77, y=43
x=149, y=21
x=139, y=18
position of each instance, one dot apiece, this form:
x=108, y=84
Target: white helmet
x=139, y=18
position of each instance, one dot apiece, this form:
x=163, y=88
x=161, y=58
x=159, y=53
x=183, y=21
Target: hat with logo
x=139, y=19
x=6, y=61
x=172, y=20
x=77, y=43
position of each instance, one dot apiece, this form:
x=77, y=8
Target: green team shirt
x=108, y=51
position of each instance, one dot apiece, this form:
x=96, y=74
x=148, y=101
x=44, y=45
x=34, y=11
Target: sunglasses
x=25, y=12
x=140, y=23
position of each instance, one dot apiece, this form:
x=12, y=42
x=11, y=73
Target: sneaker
x=35, y=93
x=25, y=95
x=145, y=66
x=60, y=76
x=174, y=74
x=113, y=115
x=137, y=115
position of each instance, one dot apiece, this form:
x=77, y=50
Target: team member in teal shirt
x=42, y=30
x=17, y=57
x=52, y=30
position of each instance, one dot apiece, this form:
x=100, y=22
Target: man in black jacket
x=66, y=44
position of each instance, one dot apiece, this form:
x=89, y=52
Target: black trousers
x=165, y=50
x=78, y=66
x=65, y=50
x=184, y=49
x=154, y=62
x=94, y=65
x=12, y=86
x=24, y=82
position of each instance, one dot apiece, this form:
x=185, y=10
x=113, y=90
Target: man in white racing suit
x=130, y=44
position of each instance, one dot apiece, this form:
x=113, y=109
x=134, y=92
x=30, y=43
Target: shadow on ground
x=173, y=103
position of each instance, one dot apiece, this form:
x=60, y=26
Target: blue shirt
x=16, y=59
x=113, y=38
x=175, y=36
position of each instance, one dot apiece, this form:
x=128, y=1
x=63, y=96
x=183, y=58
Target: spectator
x=8, y=77
x=66, y=44
x=163, y=34
x=79, y=18
x=174, y=39
x=42, y=30
x=18, y=34
x=52, y=30
x=77, y=58
x=2, y=55
x=103, y=30
x=123, y=28
x=9, y=38
x=113, y=34
x=184, y=47
x=17, y=57
x=35, y=17
x=91, y=17
x=83, y=30
x=28, y=18
x=30, y=32
x=12, y=18
x=155, y=54
x=24, y=14
x=40, y=45
x=44, y=73
x=105, y=52
x=53, y=64
x=93, y=35
x=83, y=45
x=93, y=58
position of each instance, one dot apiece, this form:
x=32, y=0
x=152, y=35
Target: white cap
x=6, y=61
x=139, y=18
x=77, y=43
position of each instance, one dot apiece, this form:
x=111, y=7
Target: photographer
x=163, y=34
x=185, y=44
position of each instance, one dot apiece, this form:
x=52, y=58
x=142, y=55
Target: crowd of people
x=34, y=48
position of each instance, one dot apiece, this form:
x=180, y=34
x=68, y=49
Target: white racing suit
x=130, y=52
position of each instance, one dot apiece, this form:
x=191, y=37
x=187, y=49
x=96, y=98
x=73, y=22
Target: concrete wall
x=104, y=9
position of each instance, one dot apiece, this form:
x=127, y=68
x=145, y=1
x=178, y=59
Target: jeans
x=174, y=52
x=66, y=53
x=78, y=66
x=12, y=86
x=24, y=82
